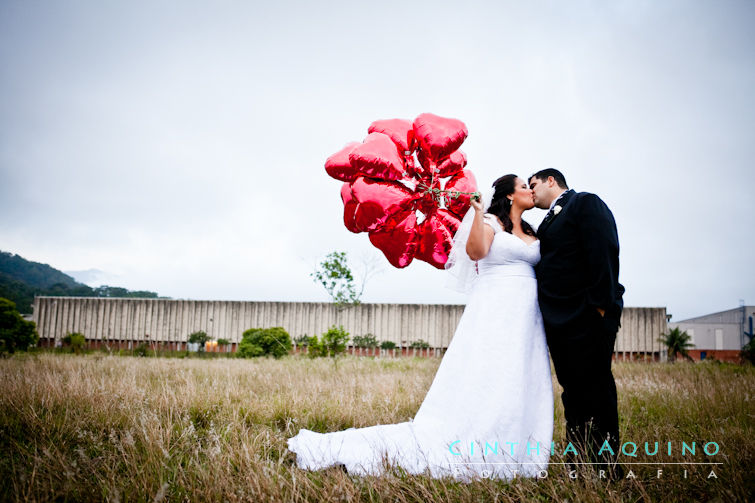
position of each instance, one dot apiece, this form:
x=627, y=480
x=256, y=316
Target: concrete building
x=168, y=323
x=719, y=335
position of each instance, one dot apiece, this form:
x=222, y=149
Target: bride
x=489, y=410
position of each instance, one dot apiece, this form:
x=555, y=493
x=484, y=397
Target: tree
x=335, y=275
x=16, y=334
x=677, y=342
x=334, y=341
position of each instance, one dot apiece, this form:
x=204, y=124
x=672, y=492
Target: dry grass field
x=96, y=427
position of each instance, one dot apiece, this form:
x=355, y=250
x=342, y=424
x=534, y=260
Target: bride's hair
x=500, y=205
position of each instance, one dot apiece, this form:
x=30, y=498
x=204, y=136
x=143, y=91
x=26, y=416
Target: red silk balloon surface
x=462, y=181
x=398, y=240
x=396, y=187
x=401, y=132
x=339, y=166
x=377, y=201
x=378, y=158
x=439, y=136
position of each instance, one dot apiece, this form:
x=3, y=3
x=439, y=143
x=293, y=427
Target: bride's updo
x=500, y=205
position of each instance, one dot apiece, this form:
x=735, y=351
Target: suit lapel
x=562, y=202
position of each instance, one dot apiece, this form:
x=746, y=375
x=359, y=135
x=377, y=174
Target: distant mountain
x=33, y=274
x=21, y=280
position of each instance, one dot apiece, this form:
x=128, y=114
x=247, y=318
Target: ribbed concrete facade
x=171, y=321
x=640, y=329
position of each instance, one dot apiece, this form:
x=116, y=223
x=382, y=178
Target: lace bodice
x=508, y=253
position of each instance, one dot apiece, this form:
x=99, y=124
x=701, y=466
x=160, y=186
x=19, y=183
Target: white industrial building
x=719, y=335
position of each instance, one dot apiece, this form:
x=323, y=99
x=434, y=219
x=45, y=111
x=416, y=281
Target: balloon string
x=449, y=193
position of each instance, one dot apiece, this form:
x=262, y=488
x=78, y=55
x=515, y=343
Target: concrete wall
x=171, y=321
x=640, y=329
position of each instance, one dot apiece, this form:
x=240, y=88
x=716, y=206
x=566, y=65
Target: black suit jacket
x=579, y=265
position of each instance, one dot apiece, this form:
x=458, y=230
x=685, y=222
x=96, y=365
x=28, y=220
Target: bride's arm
x=480, y=235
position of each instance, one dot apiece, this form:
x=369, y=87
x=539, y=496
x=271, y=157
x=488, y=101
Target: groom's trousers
x=581, y=353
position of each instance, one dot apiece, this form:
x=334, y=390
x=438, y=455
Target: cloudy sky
x=178, y=147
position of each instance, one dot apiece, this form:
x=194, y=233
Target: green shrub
x=315, y=347
x=387, y=345
x=748, y=352
x=334, y=341
x=273, y=341
x=199, y=337
x=224, y=342
x=419, y=344
x=16, y=334
x=247, y=349
x=365, y=341
x=302, y=340
x=141, y=350
x=76, y=340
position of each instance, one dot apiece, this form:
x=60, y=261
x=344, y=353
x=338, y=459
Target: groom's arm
x=600, y=241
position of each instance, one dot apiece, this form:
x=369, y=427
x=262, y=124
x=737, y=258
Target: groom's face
x=540, y=193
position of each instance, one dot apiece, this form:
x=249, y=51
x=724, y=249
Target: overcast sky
x=178, y=147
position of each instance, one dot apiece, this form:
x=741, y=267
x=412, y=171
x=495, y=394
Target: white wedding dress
x=489, y=410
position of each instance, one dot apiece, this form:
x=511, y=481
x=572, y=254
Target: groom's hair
x=543, y=175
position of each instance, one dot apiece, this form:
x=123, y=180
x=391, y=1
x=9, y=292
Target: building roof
x=729, y=316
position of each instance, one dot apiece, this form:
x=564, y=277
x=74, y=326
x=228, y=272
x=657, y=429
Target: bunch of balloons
x=406, y=186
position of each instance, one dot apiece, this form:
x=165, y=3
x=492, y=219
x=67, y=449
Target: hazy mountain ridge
x=21, y=280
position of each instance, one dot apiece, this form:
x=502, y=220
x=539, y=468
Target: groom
x=581, y=301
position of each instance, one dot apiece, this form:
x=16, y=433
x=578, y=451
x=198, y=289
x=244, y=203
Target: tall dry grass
x=122, y=429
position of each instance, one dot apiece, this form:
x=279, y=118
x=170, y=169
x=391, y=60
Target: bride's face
x=523, y=195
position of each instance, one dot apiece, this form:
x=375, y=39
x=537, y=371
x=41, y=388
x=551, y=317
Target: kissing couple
x=489, y=410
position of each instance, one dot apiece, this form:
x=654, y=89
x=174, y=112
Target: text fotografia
x=628, y=449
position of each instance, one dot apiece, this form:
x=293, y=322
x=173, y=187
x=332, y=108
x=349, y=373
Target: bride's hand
x=477, y=204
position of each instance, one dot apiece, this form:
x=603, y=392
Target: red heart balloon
x=435, y=241
x=387, y=187
x=378, y=157
x=339, y=166
x=452, y=164
x=448, y=166
x=439, y=136
x=377, y=201
x=413, y=169
x=398, y=238
x=450, y=220
x=401, y=132
x=349, y=208
x=428, y=165
x=463, y=181
x=427, y=201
